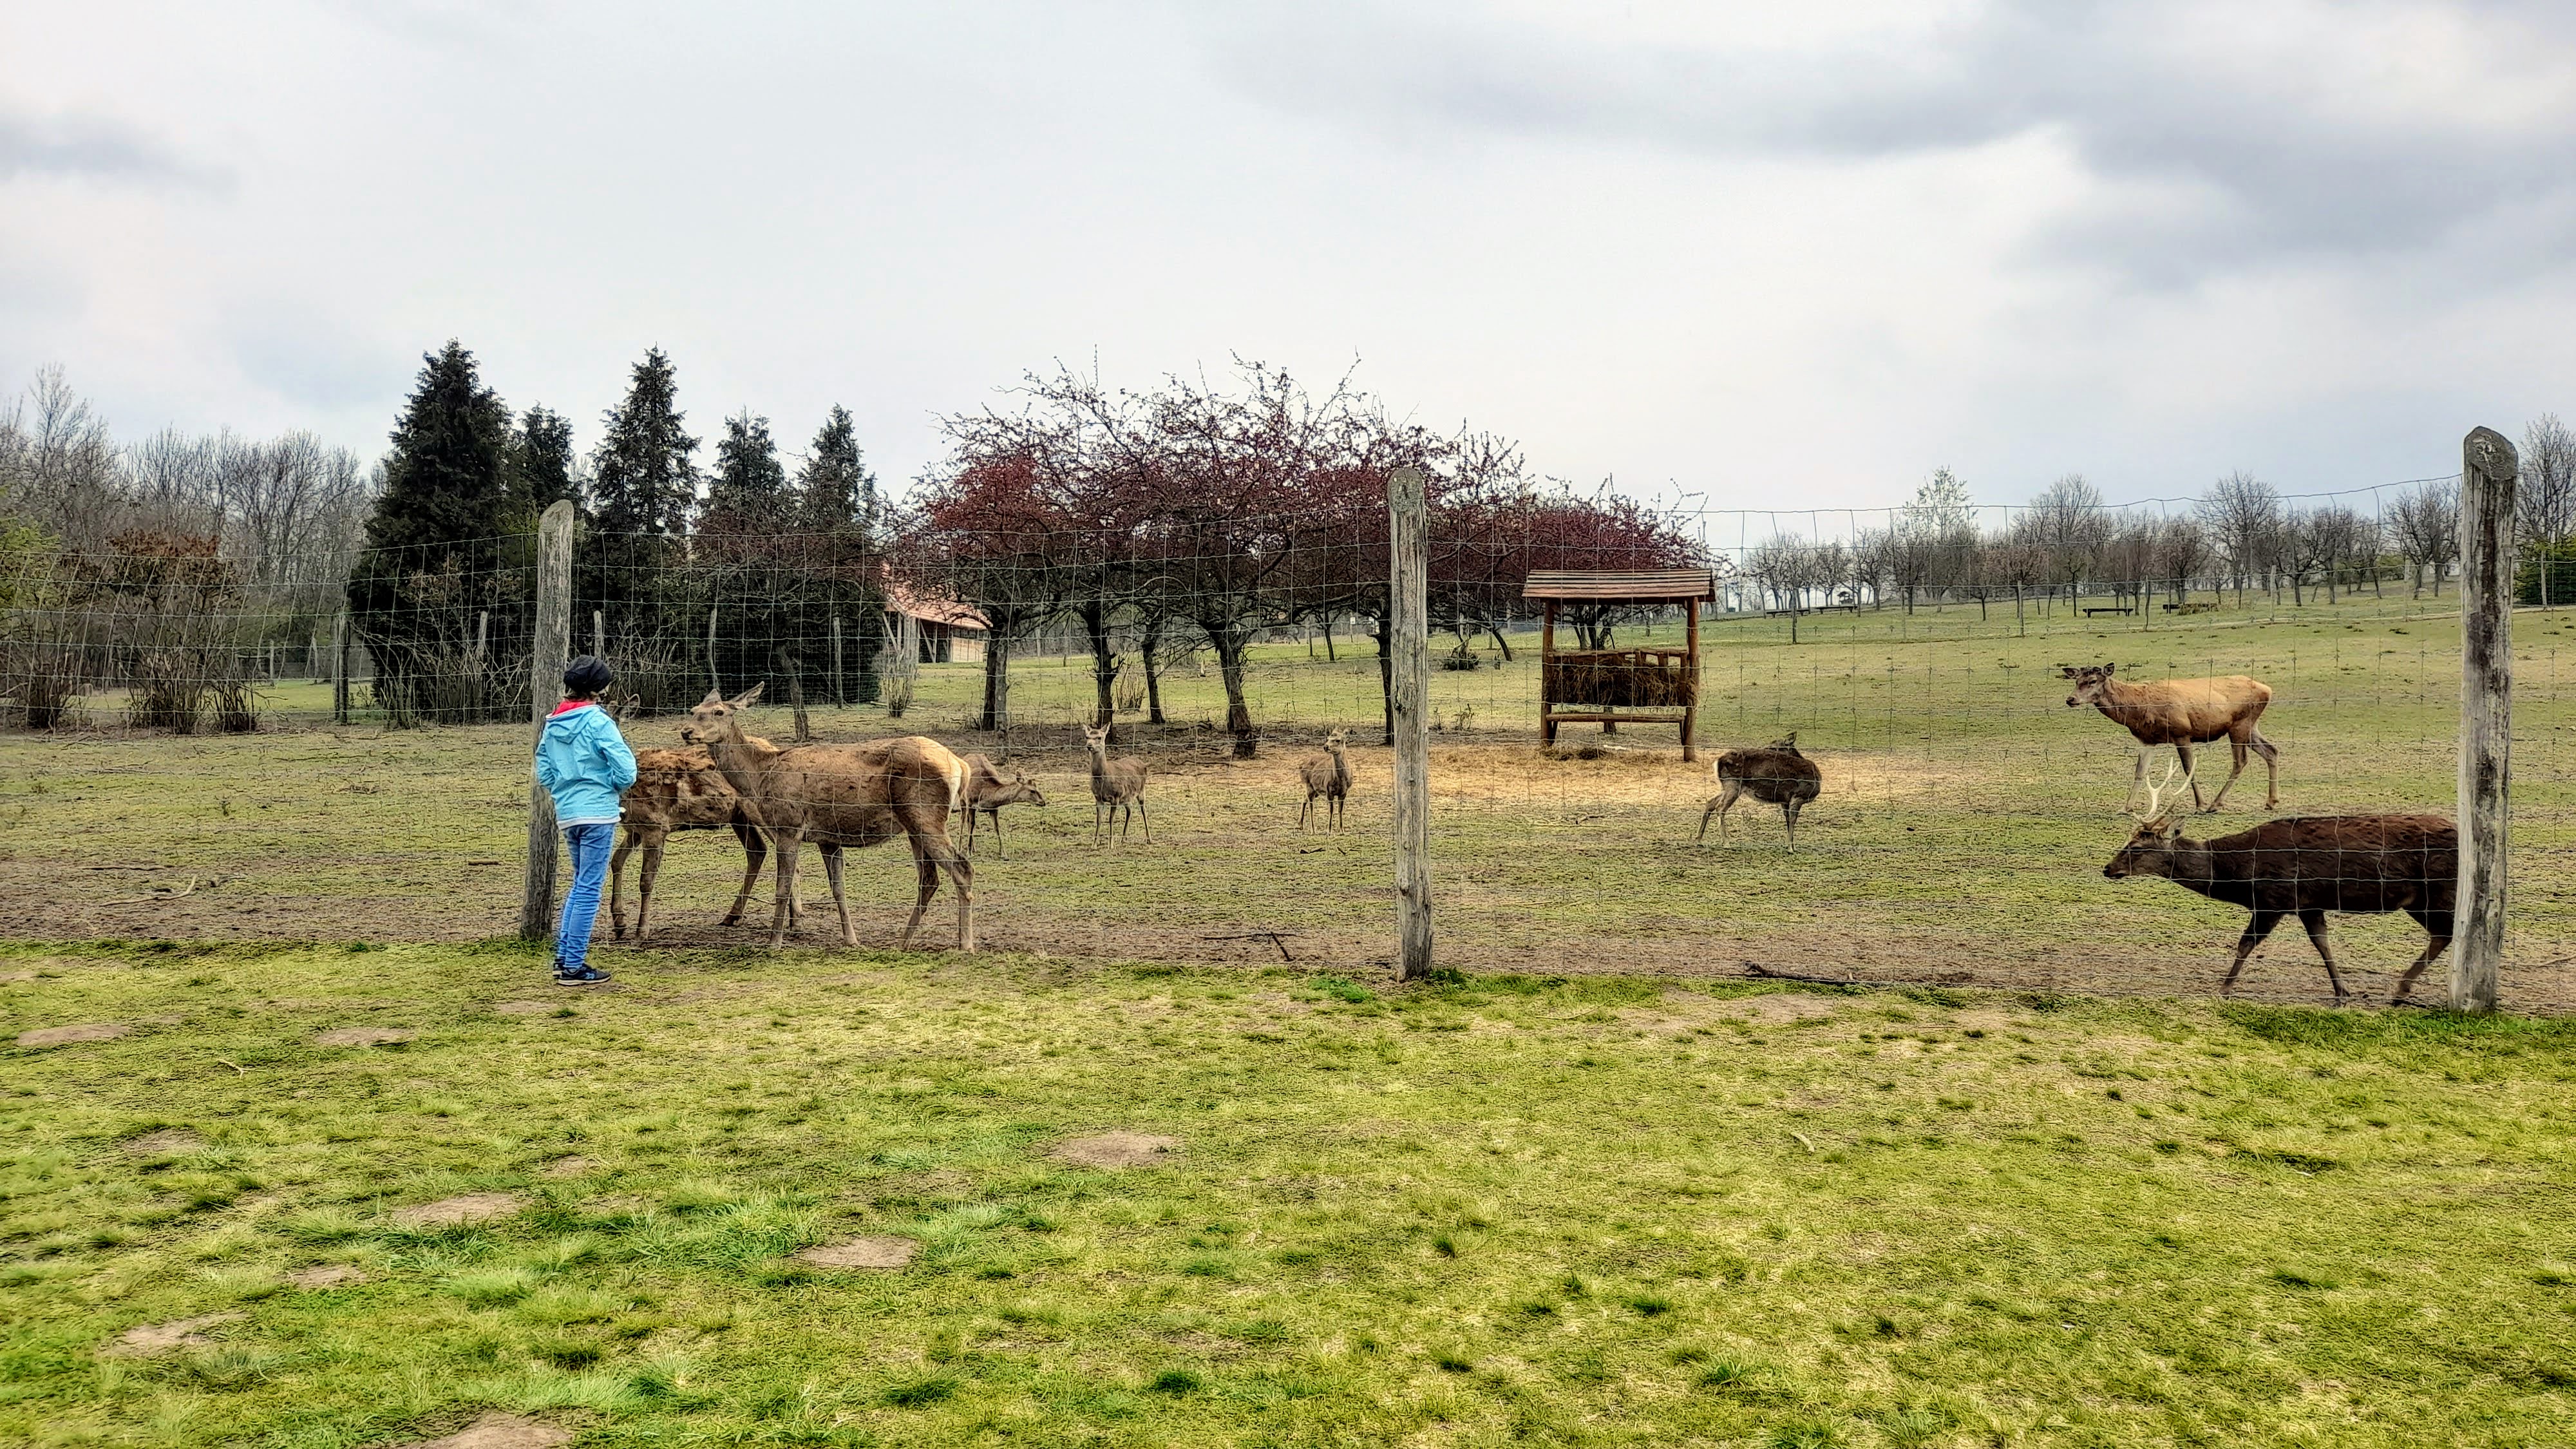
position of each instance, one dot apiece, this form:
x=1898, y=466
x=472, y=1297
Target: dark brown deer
x=987, y=791
x=676, y=790
x=2368, y=864
x=839, y=796
x=1327, y=777
x=1114, y=783
x=1775, y=774
x=2183, y=713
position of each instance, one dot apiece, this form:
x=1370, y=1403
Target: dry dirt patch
x=522, y=1008
x=499, y=1431
x=152, y=1338
x=364, y=1036
x=327, y=1275
x=573, y=1166
x=1117, y=1150
x=1783, y=1006
x=168, y=1142
x=452, y=1212
x=875, y=1252
x=45, y=1036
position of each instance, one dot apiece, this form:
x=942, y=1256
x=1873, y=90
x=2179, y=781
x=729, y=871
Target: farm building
x=951, y=631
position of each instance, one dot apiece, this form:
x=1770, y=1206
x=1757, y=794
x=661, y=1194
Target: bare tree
x=2424, y=527
x=2243, y=516
x=1793, y=568
x=2544, y=499
x=57, y=468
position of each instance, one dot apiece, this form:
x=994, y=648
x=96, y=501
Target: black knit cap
x=585, y=677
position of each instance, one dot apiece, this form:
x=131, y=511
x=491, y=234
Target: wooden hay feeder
x=1611, y=686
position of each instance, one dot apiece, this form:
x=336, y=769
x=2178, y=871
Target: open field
x=1966, y=817
x=1586, y=1212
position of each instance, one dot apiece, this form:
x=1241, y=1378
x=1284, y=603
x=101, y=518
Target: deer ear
x=2169, y=829
x=714, y=696
x=744, y=699
x=2110, y=669
x=2066, y=670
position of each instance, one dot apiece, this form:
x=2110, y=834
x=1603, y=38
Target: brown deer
x=1327, y=776
x=843, y=796
x=2370, y=864
x=676, y=790
x=987, y=791
x=2183, y=713
x=1775, y=774
x=1114, y=784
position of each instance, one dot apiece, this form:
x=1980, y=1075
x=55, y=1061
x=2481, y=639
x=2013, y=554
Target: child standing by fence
x=583, y=762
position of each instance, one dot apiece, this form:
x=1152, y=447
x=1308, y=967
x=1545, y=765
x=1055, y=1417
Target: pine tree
x=644, y=481
x=835, y=490
x=540, y=464
x=749, y=489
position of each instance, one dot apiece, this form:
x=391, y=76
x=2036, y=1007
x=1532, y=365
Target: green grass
x=1594, y=1211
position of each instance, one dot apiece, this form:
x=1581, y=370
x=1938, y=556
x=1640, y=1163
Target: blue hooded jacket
x=583, y=762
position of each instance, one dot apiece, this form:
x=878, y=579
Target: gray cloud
x=80, y=145
x=2217, y=150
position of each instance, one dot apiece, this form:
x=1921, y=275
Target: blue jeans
x=588, y=845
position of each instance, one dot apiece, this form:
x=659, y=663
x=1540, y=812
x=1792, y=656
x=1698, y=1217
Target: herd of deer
x=841, y=796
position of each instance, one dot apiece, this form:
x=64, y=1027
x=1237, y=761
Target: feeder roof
x=1620, y=586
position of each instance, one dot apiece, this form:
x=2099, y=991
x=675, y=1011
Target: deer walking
x=676, y=790
x=2183, y=713
x=987, y=791
x=843, y=796
x=2368, y=864
x=1115, y=784
x=1328, y=777
x=1775, y=774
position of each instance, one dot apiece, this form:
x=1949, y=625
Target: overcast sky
x=1770, y=253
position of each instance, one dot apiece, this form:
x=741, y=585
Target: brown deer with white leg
x=2369, y=864
x=843, y=796
x=1327, y=777
x=2183, y=713
x=1114, y=784
x=987, y=791
x=676, y=790
x=1775, y=774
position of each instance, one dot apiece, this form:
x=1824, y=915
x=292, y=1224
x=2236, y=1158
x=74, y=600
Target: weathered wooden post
x=840, y=700
x=715, y=682
x=545, y=690
x=340, y=668
x=1690, y=711
x=1409, y=533
x=599, y=633
x=2488, y=469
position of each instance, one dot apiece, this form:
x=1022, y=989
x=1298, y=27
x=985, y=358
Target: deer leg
x=935, y=855
x=755, y=850
x=1791, y=810
x=2238, y=742
x=787, y=841
x=2438, y=925
x=1097, y=837
x=2190, y=769
x=2255, y=930
x=999, y=849
x=832, y=873
x=1302, y=809
x=645, y=875
x=2271, y=754
x=1148, y=819
x=617, y=885
x=925, y=874
x=2315, y=921
x=2137, y=779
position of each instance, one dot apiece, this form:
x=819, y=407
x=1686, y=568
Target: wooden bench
x=2108, y=609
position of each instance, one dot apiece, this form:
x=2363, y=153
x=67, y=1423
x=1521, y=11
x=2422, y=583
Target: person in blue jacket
x=583, y=761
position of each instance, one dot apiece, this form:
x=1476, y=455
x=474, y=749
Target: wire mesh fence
x=196, y=752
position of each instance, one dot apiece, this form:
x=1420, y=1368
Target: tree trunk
x=1329, y=657
x=997, y=683
x=785, y=663
x=1505, y=645
x=1151, y=652
x=1386, y=676
x=1104, y=659
x=1229, y=644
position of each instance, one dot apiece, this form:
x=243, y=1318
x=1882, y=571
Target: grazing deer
x=840, y=796
x=1328, y=776
x=987, y=792
x=2183, y=713
x=2371, y=864
x=676, y=790
x=1775, y=774
x=1114, y=784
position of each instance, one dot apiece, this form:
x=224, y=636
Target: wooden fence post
x=545, y=690
x=840, y=698
x=715, y=682
x=2487, y=474
x=599, y=633
x=1409, y=533
x=340, y=668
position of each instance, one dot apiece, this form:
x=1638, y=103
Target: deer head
x=1786, y=744
x=715, y=720
x=1018, y=788
x=1097, y=737
x=1338, y=738
x=2092, y=681
x=2150, y=850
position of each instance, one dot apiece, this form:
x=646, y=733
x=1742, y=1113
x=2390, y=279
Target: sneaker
x=586, y=976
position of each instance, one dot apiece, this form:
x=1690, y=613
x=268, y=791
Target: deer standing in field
x=1328, y=777
x=2183, y=713
x=843, y=796
x=987, y=791
x=1775, y=774
x=677, y=790
x=2370, y=864
x=1115, y=784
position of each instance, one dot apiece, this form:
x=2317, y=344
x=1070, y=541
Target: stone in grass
x=327, y=1275
x=459, y=1211
x=362, y=1036
x=499, y=1431
x=155, y=1338
x=168, y=1142
x=45, y=1036
x=1117, y=1150
x=879, y=1252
